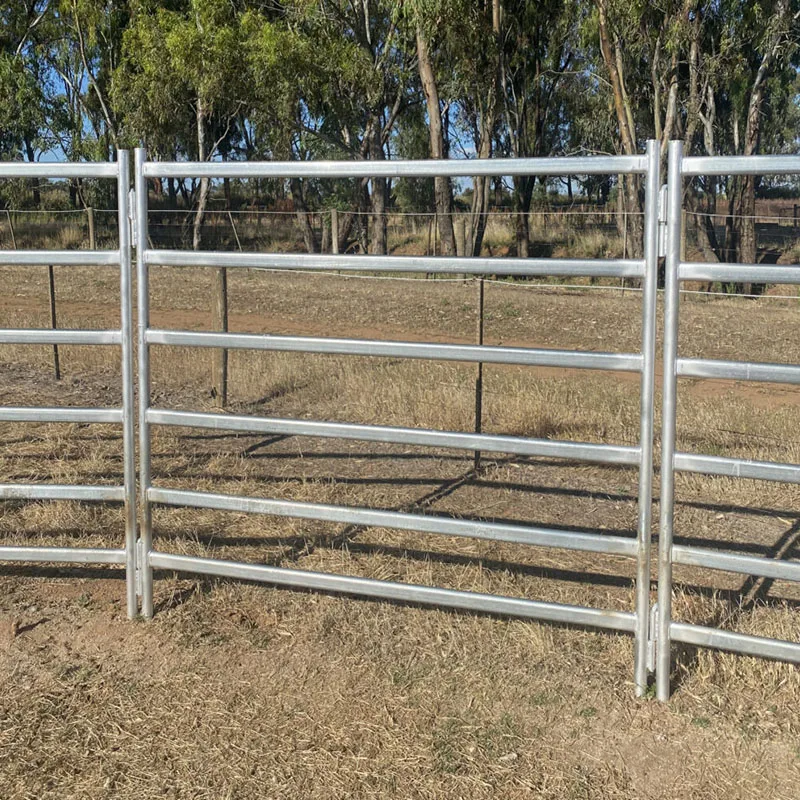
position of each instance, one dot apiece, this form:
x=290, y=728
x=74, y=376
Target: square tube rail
x=677, y=271
x=643, y=362
x=122, y=338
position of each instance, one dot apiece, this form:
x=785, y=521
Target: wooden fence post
x=335, y=231
x=219, y=365
x=479, y=373
x=53, y=322
x=90, y=219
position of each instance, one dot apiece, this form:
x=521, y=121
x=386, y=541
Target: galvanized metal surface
x=128, y=408
x=576, y=267
x=740, y=165
x=424, y=523
x=59, y=258
x=647, y=414
x=739, y=273
x=672, y=461
x=489, y=354
x=737, y=467
x=143, y=380
x=400, y=592
x=643, y=362
x=546, y=448
x=397, y=168
x=63, y=555
x=122, y=337
x=735, y=562
x=54, y=169
x=666, y=503
x=47, y=336
x=738, y=370
x=55, y=491
x=68, y=415
x=741, y=643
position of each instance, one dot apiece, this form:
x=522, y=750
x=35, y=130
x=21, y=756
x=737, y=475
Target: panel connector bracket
x=652, y=639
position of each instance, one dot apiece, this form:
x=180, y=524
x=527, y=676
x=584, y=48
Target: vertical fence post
x=51, y=291
x=671, y=298
x=90, y=220
x=335, y=231
x=143, y=308
x=219, y=314
x=128, y=411
x=479, y=372
x=11, y=230
x=647, y=414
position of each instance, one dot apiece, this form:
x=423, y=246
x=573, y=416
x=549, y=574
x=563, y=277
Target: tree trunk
x=303, y=217
x=219, y=303
x=523, y=195
x=378, y=237
x=612, y=58
x=443, y=192
x=37, y=196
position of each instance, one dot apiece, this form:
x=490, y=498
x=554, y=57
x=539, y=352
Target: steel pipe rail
x=56, y=170
x=738, y=370
x=59, y=258
x=672, y=461
x=119, y=257
x=739, y=273
x=736, y=467
x=576, y=267
x=60, y=414
x=740, y=165
x=399, y=592
x=50, y=491
x=742, y=643
x=62, y=555
x=488, y=354
x=375, y=518
x=642, y=362
x=735, y=562
x=48, y=336
x=399, y=168
x=493, y=443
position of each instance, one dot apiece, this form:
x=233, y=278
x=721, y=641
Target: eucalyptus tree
x=539, y=60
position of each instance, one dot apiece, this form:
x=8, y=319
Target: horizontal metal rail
x=740, y=165
x=48, y=336
x=454, y=168
x=400, y=592
x=493, y=443
x=734, y=562
x=64, y=555
x=55, y=170
x=445, y=526
x=49, y=491
x=739, y=273
x=758, y=646
x=578, y=267
x=523, y=356
x=59, y=258
x=737, y=370
x=736, y=467
x=60, y=414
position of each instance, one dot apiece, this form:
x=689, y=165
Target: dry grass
x=242, y=691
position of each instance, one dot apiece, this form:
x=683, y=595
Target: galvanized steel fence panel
x=643, y=362
x=667, y=629
x=121, y=337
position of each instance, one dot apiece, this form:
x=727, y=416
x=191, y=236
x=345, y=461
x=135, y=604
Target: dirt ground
x=242, y=691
